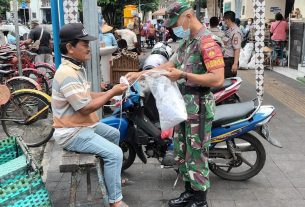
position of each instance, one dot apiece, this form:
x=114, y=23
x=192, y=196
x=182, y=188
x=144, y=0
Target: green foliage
x=113, y=9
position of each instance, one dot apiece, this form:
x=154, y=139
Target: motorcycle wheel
x=246, y=166
x=129, y=155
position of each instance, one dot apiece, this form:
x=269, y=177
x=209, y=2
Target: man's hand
x=173, y=74
x=132, y=76
x=234, y=68
x=119, y=89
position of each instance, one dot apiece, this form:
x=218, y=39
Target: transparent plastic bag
x=169, y=100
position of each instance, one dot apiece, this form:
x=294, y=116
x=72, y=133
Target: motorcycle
x=228, y=92
x=236, y=153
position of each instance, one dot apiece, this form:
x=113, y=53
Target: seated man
x=77, y=126
x=129, y=36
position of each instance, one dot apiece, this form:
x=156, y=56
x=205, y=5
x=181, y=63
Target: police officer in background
x=197, y=66
x=232, y=41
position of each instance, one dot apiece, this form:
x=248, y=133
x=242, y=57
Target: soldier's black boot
x=199, y=200
x=184, y=198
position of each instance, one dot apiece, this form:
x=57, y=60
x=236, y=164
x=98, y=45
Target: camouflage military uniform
x=199, y=56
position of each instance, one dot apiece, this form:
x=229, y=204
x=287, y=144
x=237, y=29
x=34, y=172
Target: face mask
x=180, y=32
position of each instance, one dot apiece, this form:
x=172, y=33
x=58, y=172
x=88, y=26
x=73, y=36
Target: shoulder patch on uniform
x=235, y=40
x=207, y=42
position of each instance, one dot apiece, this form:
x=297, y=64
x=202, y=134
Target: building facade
x=244, y=8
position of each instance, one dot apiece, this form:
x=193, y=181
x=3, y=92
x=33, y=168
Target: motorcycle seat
x=227, y=83
x=228, y=113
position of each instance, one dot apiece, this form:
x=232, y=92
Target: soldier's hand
x=132, y=76
x=173, y=74
x=119, y=89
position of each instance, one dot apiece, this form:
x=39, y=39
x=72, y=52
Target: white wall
x=278, y=3
x=35, y=7
x=269, y=3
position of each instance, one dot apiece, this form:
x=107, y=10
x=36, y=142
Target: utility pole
x=90, y=23
x=15, y=8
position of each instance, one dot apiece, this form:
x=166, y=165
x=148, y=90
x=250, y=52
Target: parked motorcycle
x=235, y=152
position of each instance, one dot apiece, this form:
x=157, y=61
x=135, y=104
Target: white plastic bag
x=169, y=100
x=251, y=64
x=245, y=55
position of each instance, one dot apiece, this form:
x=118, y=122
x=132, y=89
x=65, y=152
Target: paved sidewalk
x=281, y=183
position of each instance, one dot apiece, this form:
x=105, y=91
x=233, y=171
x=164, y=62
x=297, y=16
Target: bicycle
x=42, y=73
x=9, y=77
x=28, y=114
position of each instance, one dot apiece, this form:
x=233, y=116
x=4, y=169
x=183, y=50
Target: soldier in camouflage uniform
x=197, y=66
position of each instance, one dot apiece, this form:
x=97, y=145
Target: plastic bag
x=251, y=64
x=245, y=55
x=169, y=100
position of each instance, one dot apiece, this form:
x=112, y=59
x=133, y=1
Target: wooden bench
x=74, y=163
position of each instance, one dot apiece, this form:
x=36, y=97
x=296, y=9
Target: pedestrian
x=151, y=36
x=129, y=36
x=197, y=66
x=278, y=31
x=37, y=33
x=214, y=23
x=232, y=41
x=279, y=28
x=136, y=30
x=107, y=37
x=74, y=106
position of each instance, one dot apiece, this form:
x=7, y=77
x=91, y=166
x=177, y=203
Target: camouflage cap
x=174, y=11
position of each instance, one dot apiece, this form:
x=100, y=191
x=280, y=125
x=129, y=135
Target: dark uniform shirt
x=44, y=47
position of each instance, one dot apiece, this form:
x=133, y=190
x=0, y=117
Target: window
x=243, y=11
x=33, y=15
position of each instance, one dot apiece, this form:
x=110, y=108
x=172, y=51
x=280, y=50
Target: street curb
x=301, y=79
x=46, y=159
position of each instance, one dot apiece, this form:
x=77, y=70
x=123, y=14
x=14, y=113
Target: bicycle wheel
x=39, y=78
x=48, y=71
x=29, y=116
x=15, y=84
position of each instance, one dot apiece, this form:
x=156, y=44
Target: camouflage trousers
x=191, y=150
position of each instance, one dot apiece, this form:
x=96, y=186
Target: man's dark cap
x=74, y=31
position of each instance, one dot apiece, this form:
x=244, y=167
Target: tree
x=113, y=9
x=4, y=6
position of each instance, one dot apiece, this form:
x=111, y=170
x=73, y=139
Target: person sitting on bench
x=77, y=126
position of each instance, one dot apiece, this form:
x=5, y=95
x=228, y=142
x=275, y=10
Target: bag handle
x=276, y=26
x=41, y=34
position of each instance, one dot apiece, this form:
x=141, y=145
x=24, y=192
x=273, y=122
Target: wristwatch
x=183, y=76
